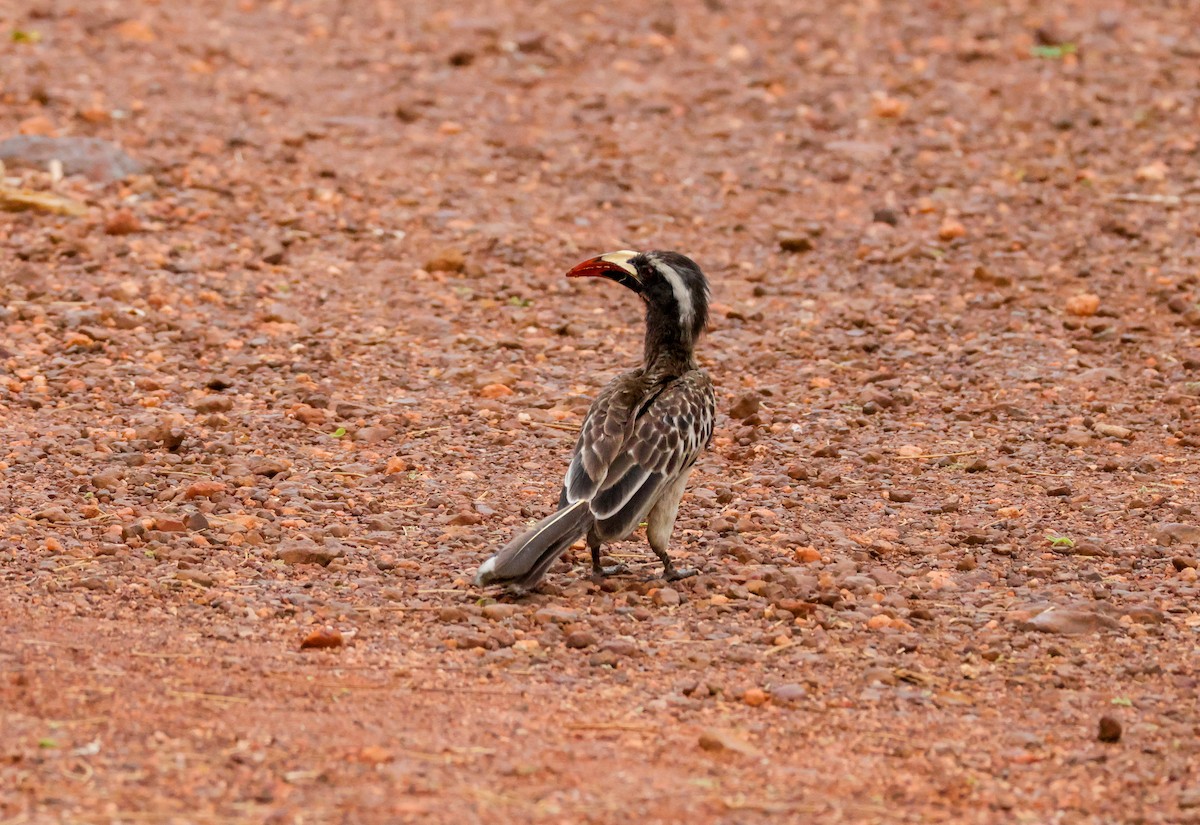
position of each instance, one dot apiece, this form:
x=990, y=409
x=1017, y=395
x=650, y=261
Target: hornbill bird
x=641, y=435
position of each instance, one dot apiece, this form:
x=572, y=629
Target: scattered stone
x=557, y=615
x=807, y=555
x=886, y=215
x=499, y=611
x=798, y=472
x=55, y=515
x=452, y=614
x=1083, y=305
x=1189, y=798
x=307, y=551
x=395, y=465
x=373, y=435
x=204, y=489
x=900, y=496
x=1110, y=730
x=107, y=480
x=322, y=638
x=755, y=697
x=269, y=467
x=122, y=222
x=1070, y=622
x=197, y=576
x=745, y=406
x=1145, y=614
x=492, y=391
x=1182, y=563
x=272, y=252
x=196, y=521
x=1177, y=533
x=580, y=639
x=170, y=524
x=448, y=260
x=666, y=597
x=620, y=646
x=797, y=607
x=95, y=159
x=213, y=404
x=951, y=230
x=1113, y=431
x=1074, y=437
x=796, y=243
x=717, y=740
x=789, y=693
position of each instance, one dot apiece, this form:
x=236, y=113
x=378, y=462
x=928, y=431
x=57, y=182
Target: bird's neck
x=668, y=349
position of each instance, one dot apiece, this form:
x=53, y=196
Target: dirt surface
x=296, y=376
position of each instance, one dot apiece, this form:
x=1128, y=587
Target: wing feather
x=639, y=435
x=668, y=434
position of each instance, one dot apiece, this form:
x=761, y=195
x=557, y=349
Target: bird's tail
x=525, y=559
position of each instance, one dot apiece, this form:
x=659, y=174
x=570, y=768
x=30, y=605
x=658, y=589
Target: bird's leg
x=599, y=571
x=670, y=572
x=660, y=524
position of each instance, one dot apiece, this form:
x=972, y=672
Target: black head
x=671, y=284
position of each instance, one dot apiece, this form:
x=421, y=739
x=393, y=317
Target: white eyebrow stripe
x=683, y=296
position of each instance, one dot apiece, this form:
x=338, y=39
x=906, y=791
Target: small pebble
x=1109, y=730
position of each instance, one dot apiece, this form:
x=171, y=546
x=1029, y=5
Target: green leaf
x=22, y=36
x=514, y=301
x=1122, y=701
x=339, y=432
x=1054, y=52
x=47, y=743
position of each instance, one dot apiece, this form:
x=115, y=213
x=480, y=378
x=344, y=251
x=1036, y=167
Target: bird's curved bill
x=615, y=266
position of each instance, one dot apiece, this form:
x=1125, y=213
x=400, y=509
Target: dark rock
x=219, y=382
x=886, y=215
x=796, y=243
x=1110, y=730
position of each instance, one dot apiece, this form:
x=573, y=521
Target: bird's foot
x=674, y=574
x=600, y=573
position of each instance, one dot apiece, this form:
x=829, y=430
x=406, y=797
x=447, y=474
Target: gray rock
x=786, y=694
x=95, y=159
